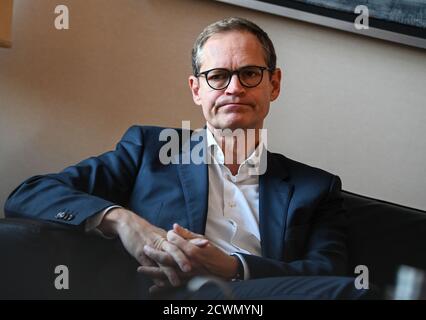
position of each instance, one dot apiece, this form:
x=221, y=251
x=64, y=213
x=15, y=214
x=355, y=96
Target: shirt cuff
x=245, y=265
x=92, y=223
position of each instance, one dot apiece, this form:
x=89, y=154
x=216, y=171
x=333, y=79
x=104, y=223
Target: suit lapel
x=194, y=180
x=274, y=197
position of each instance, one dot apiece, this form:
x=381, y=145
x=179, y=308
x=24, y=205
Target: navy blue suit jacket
x=302, y=221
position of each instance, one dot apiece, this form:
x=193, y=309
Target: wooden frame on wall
x=6, y=9
x=402, y=22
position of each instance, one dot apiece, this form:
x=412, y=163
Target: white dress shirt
x=233, y=205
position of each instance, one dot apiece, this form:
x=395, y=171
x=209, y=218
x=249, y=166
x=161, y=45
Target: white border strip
x=329, y=22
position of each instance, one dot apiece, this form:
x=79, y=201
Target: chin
x=236, y=124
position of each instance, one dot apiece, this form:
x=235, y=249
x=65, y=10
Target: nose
x=235, y=87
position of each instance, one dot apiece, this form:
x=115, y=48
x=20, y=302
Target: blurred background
x=352, y=105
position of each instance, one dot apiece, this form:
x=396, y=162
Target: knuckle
x=191, y=251
x=170, y=235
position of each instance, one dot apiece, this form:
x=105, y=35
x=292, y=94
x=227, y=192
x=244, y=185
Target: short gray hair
x=233, y=24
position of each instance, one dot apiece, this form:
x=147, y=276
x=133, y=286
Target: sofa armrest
x=30, y=250
x=383, y=236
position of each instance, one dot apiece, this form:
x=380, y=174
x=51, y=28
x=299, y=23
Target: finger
x=157, y=242
x=157, y=271
x=159, y=256
x=172, y=276
x=144, y=260
x=153, y=272
x=159, y=274
x=176, y=239
x=199, y=242
x=179, y=257
x=186, y=246
x=171, y=256
x=160, y=283
x=185, y=233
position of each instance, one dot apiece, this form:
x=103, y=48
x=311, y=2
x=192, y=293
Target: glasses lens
x=251, y=76
x=218, y=78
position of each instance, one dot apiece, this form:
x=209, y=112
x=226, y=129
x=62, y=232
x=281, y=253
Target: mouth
x=233, y=106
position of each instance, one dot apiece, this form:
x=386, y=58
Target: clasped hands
x=181, y=255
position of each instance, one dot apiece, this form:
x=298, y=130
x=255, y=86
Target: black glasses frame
x=231, y=74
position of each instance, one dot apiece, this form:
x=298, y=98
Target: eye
x=217, y=75
x=249, y=73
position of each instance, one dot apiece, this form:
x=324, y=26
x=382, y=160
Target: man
x=216, y=217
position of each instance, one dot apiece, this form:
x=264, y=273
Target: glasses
x=219, y=78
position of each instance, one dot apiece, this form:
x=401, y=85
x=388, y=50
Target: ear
x=275, y=84
x=194, y=85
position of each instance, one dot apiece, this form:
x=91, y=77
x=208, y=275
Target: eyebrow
x=244, y=66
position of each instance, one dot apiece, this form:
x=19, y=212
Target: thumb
x=199, y=242
x=185, y=233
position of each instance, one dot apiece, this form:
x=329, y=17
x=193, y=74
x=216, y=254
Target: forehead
x=232, y=49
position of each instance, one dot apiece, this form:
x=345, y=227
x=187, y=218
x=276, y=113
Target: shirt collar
x=215, y=151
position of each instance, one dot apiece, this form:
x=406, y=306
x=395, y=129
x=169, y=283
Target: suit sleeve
x=325, y=252
x=82, y=190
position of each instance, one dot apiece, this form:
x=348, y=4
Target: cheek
x=209, y=98
x=207, y=106
x=262, y=99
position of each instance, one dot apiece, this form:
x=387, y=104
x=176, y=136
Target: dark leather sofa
x=382, y=236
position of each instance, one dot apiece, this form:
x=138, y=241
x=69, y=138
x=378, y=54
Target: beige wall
x=350, y=104
x=6, y=8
